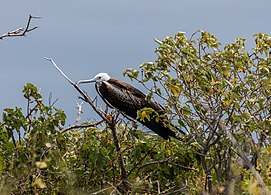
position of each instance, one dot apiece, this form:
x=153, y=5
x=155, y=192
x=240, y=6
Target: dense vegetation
x=219, y=95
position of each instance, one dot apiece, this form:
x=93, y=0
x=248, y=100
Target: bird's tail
x=164, y=130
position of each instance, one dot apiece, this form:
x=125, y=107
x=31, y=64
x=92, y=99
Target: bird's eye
x=99, y=77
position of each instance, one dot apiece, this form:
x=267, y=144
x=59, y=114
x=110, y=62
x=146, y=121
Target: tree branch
x=124, y=175
x=21, y=31
x=79, y=107
x=84, y=95
x=141, y=160
x=110, y=121
x=81, y=126
x=169, y=158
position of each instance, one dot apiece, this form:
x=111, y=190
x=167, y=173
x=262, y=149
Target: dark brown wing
x=127, y=87
x=122, y=96
x=129, y=100
x=134, y=93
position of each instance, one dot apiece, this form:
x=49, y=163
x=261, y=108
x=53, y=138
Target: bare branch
x=111, y=123
x=20, y=32
x=84, y=95
x=81, y=126
x=79, y=107
x=63, y=74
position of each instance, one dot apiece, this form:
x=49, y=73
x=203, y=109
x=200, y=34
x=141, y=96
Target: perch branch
x=21, y=31
x=61, y=72
x=111, y=124
x=84, y=95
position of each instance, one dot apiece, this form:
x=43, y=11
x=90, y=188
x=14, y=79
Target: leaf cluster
x=37, y=158
x=220, y=96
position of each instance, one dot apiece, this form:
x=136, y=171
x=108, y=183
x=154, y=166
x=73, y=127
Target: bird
x=129, y=100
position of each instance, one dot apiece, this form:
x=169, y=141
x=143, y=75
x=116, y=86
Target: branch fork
x=20, y=32
x=110, y=121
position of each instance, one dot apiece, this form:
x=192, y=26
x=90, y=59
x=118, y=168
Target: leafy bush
x=221, y=97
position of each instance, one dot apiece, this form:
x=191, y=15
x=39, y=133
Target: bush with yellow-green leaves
x=219, y=95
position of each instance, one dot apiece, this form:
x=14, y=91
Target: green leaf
x=158, y=41
x=186, y=110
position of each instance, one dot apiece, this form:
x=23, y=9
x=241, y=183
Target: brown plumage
x=129, y=100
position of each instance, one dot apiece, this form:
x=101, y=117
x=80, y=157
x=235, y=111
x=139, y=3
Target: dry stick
x=85, y=96
x=81, y=126
x=80, y=108
x=111, y=124
x=21, y=31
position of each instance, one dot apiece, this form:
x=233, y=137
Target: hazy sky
x=86, y=37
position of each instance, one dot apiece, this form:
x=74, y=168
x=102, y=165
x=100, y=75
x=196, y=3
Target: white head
x=98, y=78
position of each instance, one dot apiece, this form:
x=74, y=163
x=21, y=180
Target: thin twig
x=169, y=158
x=81, y=126
x=140, y=161
x=21, y=31
x=80, y=108
x=102, y=190
x=84, y=95
x=63, y=74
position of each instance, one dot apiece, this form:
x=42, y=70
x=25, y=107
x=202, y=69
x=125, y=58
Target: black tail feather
x=161, y=129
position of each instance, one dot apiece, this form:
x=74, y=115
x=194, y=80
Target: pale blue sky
x=86, y=37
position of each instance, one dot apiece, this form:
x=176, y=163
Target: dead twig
x=80, y=110
x=81, y=126
x=84, y=95
x=110, y=122
x=21, y=31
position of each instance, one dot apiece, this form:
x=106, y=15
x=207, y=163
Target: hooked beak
x=86, y=81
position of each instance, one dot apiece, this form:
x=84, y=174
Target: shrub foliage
x=219, y=96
